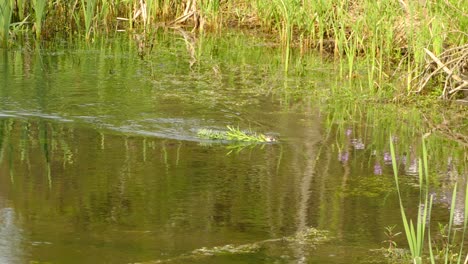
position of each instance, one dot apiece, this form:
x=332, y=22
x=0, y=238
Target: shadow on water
x=99, y=154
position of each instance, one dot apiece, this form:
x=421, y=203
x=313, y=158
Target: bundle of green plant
x=211, y=134
x=237, y=134
x=234, y=134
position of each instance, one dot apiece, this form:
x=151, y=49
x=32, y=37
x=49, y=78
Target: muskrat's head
x=270, y=138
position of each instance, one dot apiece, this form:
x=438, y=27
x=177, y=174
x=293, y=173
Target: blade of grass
x=449, y=231
x=88, y=7
x=465, y=220
x=39, y=10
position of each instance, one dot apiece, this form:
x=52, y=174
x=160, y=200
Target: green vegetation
x=416, y=233
x=39, y=7
x=5, y=20
x=234, y=134
x=88, y=15
x=391, y=40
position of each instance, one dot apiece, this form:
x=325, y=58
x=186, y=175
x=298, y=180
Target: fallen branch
x=461, y=87
x=452, y=62
x=442, y=66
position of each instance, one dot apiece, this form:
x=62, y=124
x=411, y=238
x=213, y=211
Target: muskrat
x=269, y=138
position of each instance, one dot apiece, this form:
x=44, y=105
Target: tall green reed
x=21, y=6
x=88, y=7
x=103, y=13
x=210, y=11
x=39, y=7
x=285, y=9
x=415, y=233
x=149, y=13
x=6, y=12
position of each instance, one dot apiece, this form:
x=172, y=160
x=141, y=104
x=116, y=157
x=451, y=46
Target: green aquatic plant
x=448, y=250
x=392, y=249
x=234, y=134
x=415, y=233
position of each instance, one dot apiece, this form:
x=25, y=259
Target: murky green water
x=100, y=161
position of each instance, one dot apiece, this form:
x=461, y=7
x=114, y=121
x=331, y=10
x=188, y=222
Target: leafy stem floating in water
x=234, y=134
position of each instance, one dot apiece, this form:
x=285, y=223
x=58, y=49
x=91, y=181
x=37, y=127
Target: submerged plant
x=391, y=235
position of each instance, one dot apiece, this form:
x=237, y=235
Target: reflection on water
x=99, y=157
x=11, y=250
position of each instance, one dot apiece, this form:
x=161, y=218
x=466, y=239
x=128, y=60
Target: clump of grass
x=234, y=134
x=415, y=233
x=88, y=14
x=210, y=11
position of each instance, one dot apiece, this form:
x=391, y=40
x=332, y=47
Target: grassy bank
x=421, y=44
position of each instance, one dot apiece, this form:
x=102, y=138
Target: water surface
x=100, y=161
